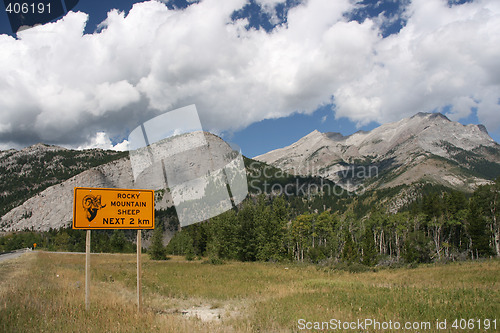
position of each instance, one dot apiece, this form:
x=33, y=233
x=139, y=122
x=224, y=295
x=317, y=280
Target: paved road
x=13, y=254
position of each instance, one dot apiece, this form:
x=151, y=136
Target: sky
x=262, y=73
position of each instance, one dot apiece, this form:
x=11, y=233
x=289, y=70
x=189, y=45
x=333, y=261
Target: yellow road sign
x=106, y=208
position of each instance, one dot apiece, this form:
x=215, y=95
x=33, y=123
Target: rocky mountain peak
x=400, y=150
x=314, y=135
x=335, y=136
x=431, y=115
x=482, y=128
x=41, y=147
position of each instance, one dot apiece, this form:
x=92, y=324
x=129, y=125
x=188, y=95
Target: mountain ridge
x=424, y=142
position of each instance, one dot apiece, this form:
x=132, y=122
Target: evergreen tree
x=369, y=257
x=222, y=238
x=488, y=199
x=199, y=237
x=247, y=233
x=180, y=243
x=416, y=248
x=118, y=241
x=157, y=251
x=478, y=229
x=189, y=252
x=271, y=226
x=349, y=252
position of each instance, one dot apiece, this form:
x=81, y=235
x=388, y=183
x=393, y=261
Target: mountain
x=427, y=147
x=27, y=172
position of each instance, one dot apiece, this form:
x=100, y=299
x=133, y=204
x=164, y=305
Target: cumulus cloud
x=443, y=58
x=102, y=141
x=62, y=86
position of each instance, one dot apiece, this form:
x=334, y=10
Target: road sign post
x=104, y=208
x=139, y=287
x=87, y=270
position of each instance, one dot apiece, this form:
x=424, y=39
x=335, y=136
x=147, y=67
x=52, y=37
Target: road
x=13, y=254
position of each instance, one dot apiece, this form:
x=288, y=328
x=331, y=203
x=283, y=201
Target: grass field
x=45, y=292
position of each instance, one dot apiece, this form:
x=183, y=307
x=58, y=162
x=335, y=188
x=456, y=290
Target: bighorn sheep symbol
x=92, y=204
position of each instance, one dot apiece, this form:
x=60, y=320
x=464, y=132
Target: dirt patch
x=204, y=313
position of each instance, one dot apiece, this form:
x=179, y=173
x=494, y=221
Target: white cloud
x=60, y=86
x=111, y=97
x=442, y=57
x=269, y=7
x=461, y=108
x=101, y=140
x=122, y=146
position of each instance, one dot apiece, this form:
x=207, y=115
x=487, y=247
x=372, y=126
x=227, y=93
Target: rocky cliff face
x=427, y=146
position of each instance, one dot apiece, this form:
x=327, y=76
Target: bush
x=214, y=261
x=317, y=254
x=190, y=254
x=352, y=267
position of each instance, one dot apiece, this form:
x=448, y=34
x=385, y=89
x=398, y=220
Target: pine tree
x=271, y=226
x=478, y=230
x=157, y=250
x=369, y=249
x=416, y=248
x=118, y=241
x=349, y=252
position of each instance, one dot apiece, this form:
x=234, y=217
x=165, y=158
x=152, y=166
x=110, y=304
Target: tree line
x=71, y=240
x=446, y=225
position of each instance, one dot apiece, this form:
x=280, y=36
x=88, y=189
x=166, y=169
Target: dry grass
x=44, y=292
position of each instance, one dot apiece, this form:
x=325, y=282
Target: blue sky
x=262, y=73
x=270, y=134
